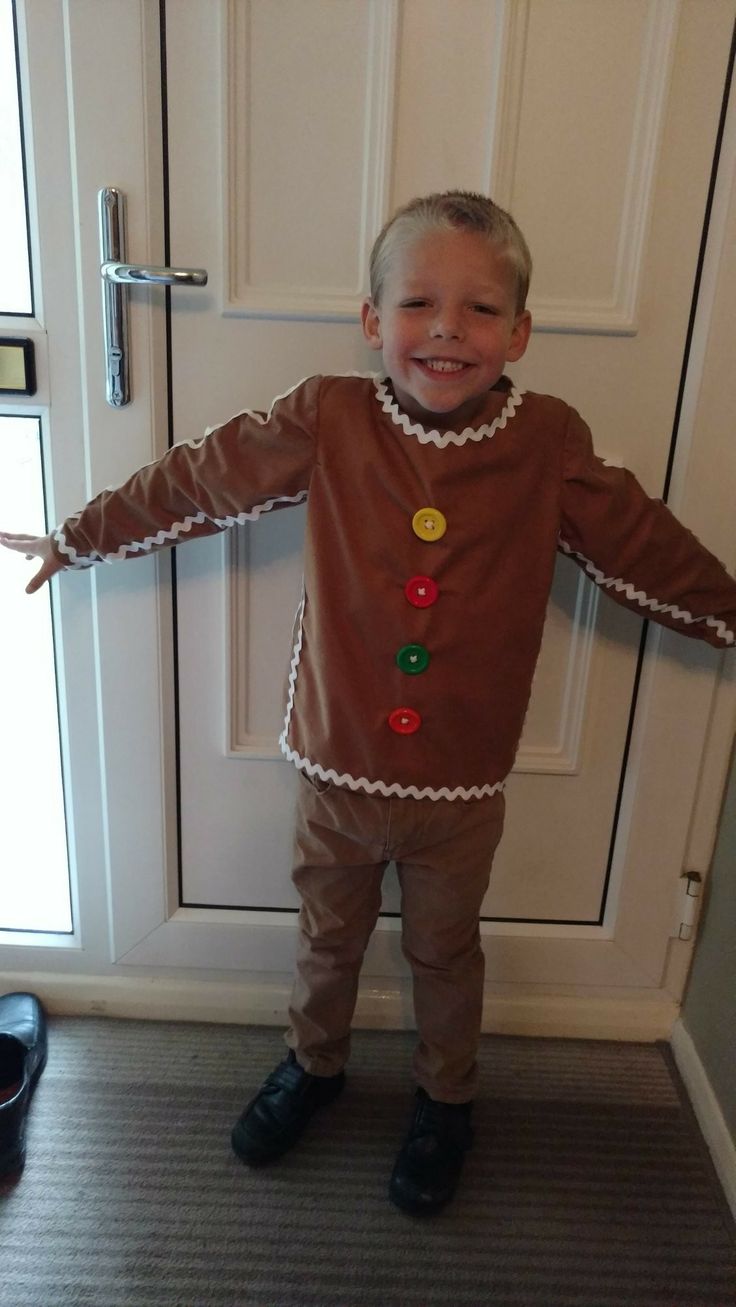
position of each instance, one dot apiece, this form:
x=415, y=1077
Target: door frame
x=147, y=955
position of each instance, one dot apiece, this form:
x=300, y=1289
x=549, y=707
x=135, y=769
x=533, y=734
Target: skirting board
x=705, y=1105
x=641, y=1018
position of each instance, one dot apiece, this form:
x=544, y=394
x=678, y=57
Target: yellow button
x=429, y=524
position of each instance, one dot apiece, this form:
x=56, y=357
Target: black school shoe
x=275, y=1118
x=23, y=1051
x=428, y=1167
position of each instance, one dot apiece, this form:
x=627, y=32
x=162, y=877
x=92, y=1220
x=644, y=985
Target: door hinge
x=691, y=892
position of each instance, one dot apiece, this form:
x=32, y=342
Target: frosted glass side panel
x=34, y=870
x=15, y=272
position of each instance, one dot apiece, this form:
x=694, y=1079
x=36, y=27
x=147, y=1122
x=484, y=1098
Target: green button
x=413, y=658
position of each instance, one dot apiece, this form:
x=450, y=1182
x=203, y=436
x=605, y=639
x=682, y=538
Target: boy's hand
x=34, y=547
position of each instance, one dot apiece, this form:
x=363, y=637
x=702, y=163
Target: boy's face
x=447, y=325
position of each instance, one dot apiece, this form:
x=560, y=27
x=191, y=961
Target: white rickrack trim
x=75, y=560
x=388, y=791
x=642, y=598
x=442, y=440
x=175, y=530
x=263, y=419
x=299, y=617
x=361, y=782
x=255, y=513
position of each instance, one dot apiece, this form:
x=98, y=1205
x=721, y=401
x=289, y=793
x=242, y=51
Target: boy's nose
x=446, y=326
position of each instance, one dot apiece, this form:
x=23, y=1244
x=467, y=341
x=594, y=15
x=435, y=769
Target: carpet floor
x=589, y=1184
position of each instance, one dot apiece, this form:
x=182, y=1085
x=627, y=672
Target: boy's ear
x=371, y=321
x=520, y=334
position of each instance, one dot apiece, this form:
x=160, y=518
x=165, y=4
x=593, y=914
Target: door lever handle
x=116, y=277
x=126, y=274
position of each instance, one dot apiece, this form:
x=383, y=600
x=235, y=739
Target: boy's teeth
x=443, y=365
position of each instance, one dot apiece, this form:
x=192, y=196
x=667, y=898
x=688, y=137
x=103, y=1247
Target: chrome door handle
x=116, y=277
x=125, y=274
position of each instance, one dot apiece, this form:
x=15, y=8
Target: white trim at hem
x=643, y=600
x=361, y=783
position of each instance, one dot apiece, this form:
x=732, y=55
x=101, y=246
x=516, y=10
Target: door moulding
x=257, y=1000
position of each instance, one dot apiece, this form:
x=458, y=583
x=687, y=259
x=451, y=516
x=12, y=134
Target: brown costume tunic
x=440, y=545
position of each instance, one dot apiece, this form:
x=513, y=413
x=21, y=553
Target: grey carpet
x=589, y=1183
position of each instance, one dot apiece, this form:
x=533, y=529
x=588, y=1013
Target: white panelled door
x=280, y=194
x=293, y=129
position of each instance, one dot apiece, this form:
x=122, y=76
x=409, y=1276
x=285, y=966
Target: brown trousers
x=443, y=851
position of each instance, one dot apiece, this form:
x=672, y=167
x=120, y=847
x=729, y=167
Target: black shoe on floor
x=428, y=1167
x=274, y=1119
x=23, y=1051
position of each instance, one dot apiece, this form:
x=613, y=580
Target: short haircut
x=444, y=211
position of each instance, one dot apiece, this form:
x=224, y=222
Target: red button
x=405, y=721
x=421, y=591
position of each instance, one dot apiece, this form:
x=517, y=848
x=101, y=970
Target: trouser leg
x=340, y=892
x=443, y=886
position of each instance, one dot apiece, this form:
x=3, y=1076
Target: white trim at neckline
x=443, y=439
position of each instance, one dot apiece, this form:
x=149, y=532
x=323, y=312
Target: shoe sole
x=254, y=1156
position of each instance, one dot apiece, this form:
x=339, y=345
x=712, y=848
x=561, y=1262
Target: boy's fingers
x=37, y=581
x=14, y=542
x=22, y=543
x=33, y=547
x=44, y=574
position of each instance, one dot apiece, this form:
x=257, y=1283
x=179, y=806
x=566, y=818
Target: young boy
x=439, y=496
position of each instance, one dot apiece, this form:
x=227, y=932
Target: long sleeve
x=253, y=464
x=637, y=551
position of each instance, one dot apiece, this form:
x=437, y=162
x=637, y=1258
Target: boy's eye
x=414, y=304
x=485, y=308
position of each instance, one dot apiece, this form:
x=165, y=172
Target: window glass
x=15, y=273
x=34, y=872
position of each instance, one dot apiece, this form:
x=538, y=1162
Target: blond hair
x=444, y=211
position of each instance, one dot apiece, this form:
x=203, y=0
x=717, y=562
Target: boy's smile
x=447, y=324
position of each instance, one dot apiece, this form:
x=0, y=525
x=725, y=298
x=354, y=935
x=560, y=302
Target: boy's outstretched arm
x=253, y=464
x=34, y=547
x=636, y=550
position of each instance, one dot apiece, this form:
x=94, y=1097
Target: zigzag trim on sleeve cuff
x=176, y=530
x=76, y=560
x=641, y=598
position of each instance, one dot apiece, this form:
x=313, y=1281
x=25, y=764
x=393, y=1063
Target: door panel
x=595, y=125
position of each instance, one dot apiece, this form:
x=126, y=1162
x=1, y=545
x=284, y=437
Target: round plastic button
x=421, y=591
x=405, y=721
x=413, y=658
x=429, y=524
